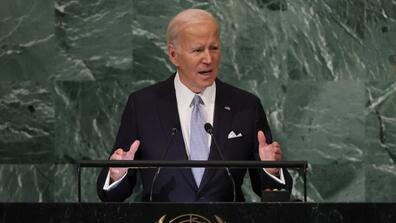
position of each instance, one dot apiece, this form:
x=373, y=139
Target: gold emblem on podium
x=190, y=218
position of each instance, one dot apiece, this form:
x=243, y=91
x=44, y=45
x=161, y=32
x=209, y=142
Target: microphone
x=167, y=148
x=209, y=129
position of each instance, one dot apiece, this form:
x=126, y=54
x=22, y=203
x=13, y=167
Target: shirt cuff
x=281, y=178
x=108, y=187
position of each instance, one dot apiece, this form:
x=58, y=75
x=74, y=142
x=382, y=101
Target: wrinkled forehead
x=188, y=20
x=203, y=26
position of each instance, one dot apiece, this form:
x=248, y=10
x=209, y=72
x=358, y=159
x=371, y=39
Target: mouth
x=205, y=72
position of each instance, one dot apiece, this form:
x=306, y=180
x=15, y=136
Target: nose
x=207, y=57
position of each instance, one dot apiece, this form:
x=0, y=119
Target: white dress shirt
x=184, y=97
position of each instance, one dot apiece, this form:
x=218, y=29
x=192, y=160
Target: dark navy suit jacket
x=150, y=115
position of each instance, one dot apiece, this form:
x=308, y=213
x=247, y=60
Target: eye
x=197, y=50
x=214, y=48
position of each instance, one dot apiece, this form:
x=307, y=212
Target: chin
x=207, y=84
x=208, y=79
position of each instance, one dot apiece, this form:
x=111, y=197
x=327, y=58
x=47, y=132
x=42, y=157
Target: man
x=186, y=101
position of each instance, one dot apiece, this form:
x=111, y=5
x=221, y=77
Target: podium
x=266, y=196
x=213, y=212
x=287, y=212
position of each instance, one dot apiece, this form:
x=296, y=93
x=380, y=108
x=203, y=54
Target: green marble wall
x=324, y=69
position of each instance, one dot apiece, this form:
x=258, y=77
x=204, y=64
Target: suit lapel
x=169, y=118
x=222, y=121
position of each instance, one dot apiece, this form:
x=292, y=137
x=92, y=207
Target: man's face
x=196, y=54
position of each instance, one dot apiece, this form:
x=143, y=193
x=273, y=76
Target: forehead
x=201, y=30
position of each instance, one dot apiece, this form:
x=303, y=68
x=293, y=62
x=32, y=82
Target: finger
x=117, y=155
x=119, y=151
x=277, y=152
x=132, y=149
x=277, y=157
x=261, y=138
x=277, y=148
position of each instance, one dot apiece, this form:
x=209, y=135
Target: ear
x=172, y=54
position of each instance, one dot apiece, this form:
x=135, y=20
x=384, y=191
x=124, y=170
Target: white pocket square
x=232, y=135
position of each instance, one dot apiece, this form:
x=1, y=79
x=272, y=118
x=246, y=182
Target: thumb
x=261, y=138
x=132, y=149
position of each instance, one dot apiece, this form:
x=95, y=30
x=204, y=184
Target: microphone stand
x=209, y=130
x=173, y=133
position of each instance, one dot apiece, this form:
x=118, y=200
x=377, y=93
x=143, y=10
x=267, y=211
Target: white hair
x=187, y=17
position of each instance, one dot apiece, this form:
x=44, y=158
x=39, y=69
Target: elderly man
x=176, y=110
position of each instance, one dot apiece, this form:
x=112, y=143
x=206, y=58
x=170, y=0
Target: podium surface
x=199, y=212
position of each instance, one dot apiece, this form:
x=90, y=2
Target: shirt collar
x=185, y=95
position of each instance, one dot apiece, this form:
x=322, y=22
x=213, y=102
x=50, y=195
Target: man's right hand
x=120, y=154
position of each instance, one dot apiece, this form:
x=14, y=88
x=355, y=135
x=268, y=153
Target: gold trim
x=190, y=218
x=162, y=219
x=219, y=220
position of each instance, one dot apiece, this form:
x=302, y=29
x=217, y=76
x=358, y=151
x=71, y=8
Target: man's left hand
x=269, y=152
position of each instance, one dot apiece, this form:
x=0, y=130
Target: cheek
x=216, y=58
x=195, y=64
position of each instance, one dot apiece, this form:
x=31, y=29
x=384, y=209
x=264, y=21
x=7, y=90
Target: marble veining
x=325, y=71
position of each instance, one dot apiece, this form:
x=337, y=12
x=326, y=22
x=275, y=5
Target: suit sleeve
x=127, y=133
x=259, y=179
